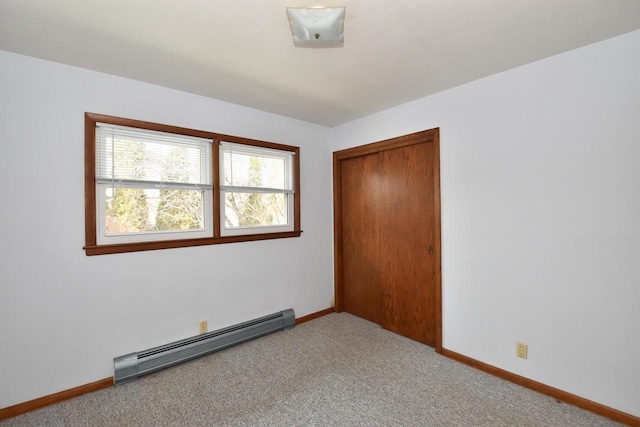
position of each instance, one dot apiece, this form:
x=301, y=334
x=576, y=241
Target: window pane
x=255, y=209
x=124, y=154
x=137, y=210
x=245, y=166
x=179, y=210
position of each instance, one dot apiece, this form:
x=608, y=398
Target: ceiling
x=241, y=51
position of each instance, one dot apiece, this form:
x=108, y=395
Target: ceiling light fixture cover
x=317, y=27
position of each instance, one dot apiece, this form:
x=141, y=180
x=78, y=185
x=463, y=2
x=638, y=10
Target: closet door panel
x=360, y=236
x=406, y=242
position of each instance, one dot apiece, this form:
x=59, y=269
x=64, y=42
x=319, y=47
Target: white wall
x=65, y=316
x=540, y=170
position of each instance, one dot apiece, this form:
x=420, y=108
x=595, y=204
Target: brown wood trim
x=296, y=196
x=387, y=144
x=337, y=234
x=569, y=398
x=313, y=316
x=41, y=402
x=89, y=180
x=217, y=207
x=102, y=118
x=171, y=244
x=438, y=240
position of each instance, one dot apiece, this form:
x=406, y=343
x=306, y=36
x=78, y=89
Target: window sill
x=170, y=244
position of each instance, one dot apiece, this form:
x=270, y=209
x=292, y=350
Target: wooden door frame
x=431, y=135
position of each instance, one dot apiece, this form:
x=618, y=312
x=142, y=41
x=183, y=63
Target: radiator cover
x=134, y=365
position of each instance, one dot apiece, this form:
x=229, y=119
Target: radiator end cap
x=125, y=368
x=289, y=319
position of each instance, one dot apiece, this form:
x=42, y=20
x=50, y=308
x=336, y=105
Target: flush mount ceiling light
x=317, y=27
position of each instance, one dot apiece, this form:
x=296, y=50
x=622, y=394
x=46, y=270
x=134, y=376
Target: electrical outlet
x=203, y=327
x=521, y=350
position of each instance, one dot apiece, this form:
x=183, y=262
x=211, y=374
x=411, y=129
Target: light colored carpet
x=338, y=370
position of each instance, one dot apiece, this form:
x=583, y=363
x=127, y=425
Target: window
x=256, y=185
x=151, y=186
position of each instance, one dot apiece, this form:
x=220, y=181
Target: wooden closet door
x=406, y=238
x=360, y=237
x=387, y=235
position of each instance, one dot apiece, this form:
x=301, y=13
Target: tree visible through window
x=257, y=187
x=127, y=210
x=178, y=209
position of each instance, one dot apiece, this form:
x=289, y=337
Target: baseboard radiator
x=134, y=365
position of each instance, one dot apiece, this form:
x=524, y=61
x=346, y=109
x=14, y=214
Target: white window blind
x=132, y=157
x=254, y=169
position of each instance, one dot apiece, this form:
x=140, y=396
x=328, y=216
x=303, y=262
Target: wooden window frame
x=92, y=248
